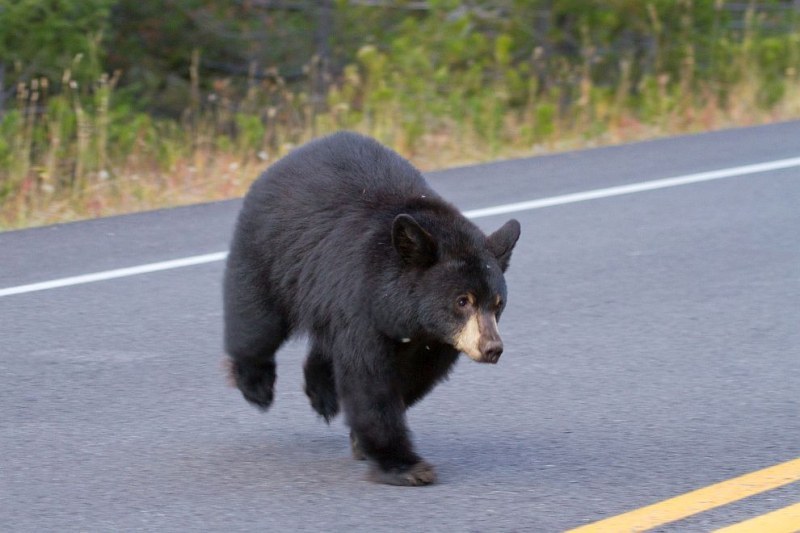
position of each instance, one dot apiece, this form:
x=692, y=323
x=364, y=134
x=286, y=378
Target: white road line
x=118, y=273
x=634, y=188
x=475, y=213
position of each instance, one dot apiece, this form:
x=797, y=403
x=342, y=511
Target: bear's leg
x=376, y=415
x=254, y=330
x=320, y=385
x=253, y=356
x=423, y=370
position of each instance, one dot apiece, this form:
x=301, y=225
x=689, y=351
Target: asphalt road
x=652, y=347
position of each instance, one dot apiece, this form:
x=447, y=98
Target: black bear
x=343, y=239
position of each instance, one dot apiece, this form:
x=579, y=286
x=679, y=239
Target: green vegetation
x=114, y=105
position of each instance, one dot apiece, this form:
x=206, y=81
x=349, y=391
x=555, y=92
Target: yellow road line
x=699, y=500
x=786, y=520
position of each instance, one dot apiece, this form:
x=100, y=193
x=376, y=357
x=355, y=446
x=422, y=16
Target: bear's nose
x=492, y=351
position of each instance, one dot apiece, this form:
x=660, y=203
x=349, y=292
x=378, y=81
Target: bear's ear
x=502, y=241
x=415, y=245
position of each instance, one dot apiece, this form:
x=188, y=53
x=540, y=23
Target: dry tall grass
x=76, y=152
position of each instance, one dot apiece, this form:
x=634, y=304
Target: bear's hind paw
x=255, y=382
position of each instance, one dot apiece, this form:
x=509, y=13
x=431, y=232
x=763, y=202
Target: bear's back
x=341, y=174
x=321, y=217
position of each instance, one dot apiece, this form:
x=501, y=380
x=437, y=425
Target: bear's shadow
x=321, y=458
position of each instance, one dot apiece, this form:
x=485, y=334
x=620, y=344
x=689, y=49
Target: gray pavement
x=652, y=347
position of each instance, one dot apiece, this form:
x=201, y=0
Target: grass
x=71, y=150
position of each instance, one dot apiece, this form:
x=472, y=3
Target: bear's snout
x=490, y=345
x=491, y=351
x=479, y=338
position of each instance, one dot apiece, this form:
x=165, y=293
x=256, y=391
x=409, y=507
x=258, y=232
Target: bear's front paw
x=418, y=474
x=323, y=401
x=355, y=448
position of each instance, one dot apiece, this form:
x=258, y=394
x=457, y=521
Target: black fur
x=343, y=239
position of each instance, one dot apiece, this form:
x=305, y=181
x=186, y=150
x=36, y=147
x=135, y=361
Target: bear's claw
x=416, y=475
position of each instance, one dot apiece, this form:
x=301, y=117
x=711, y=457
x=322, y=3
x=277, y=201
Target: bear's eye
x=462, y=301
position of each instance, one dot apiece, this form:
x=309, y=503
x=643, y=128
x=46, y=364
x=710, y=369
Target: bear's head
x=459, y=290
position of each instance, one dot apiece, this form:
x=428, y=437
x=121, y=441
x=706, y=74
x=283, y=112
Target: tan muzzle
x=479, y=338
